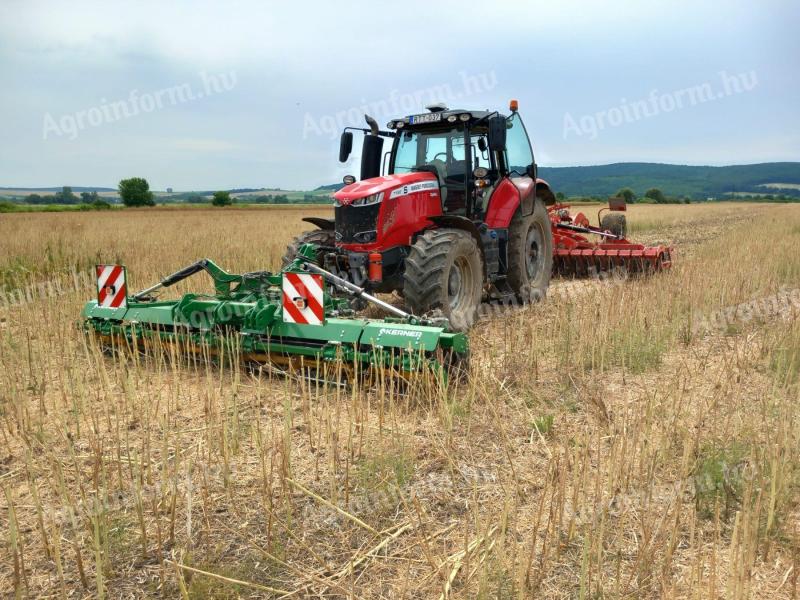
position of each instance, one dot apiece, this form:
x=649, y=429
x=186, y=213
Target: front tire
x=444, y=271
x=530, y=254
x=318, y=237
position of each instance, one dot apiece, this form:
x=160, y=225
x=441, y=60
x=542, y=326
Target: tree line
x=651, y=196
x=136, y=192
x=66, y=196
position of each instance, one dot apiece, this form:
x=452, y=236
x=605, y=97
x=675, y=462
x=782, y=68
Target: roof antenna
x=438, y=107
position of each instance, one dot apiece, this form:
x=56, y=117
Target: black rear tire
x=615, y=223
x=319, y=237
x=530, y=254
x=444, y=271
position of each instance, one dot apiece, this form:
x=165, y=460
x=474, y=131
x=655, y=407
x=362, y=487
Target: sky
x=201, y=95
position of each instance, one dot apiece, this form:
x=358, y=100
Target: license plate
x=426, y=118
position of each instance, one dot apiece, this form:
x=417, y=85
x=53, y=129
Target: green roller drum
x=286, y=319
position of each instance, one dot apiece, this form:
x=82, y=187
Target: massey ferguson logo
x=412, y=188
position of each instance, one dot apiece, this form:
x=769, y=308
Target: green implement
x=286, y=319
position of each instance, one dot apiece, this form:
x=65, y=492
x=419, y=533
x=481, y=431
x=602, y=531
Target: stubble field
x=623, y=439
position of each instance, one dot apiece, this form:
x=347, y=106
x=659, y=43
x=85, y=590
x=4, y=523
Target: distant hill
x=675, y=180
x=333, y=187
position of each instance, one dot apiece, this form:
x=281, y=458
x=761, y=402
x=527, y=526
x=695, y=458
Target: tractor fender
x=321, y=223
x=457, y=222
x=510, y=194
x=545, y=192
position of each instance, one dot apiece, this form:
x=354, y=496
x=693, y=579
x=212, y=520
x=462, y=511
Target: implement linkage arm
x=222, y=279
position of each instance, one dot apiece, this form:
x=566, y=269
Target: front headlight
x=365, y=237
x=368, y=200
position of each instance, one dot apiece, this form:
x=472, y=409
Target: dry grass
x=619, y=440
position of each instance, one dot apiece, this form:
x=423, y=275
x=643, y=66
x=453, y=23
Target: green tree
x=626, y=193
x=136, y=192
x=560, y=196
x=65, y=196
x=222, y=199
x=89, y=197
x=656, y=195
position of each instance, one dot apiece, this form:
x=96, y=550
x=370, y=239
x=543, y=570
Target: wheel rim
x=534, y=256
x=459, y=282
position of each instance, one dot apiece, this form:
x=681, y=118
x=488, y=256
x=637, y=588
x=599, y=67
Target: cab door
x=518, y=158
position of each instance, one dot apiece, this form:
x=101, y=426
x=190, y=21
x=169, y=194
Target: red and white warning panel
x=303, y=299
x=111, y=289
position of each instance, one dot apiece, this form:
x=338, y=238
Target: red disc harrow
x=608, y=249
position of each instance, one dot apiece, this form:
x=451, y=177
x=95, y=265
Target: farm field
x=622, y=439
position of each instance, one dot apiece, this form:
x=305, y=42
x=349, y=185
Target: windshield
x=418, y=148
x=442, y=149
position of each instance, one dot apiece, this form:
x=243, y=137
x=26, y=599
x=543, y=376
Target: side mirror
x=497, y=133
x=532, y=171
x=345, y=146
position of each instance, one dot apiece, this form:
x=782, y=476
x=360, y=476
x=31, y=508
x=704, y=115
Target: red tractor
x=453, y=214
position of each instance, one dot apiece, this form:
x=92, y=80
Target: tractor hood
x=392, y=186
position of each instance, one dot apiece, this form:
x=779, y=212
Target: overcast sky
x=207, y=95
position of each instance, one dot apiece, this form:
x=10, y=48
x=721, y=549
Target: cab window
x=479, y=158
x=436, y=149
x=406, y=156
x=518, y=148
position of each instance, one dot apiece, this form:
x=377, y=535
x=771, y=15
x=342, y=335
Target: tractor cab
x=453, y=148
x=469, y=152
